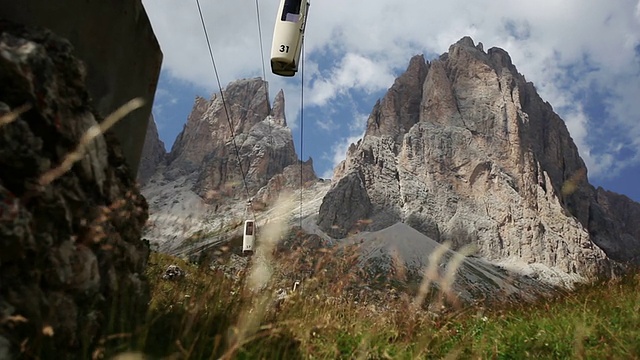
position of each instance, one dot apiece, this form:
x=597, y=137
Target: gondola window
x=291, y=10
x=249, y=228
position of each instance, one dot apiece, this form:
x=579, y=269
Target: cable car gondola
x=288, y=36
x=248, y=237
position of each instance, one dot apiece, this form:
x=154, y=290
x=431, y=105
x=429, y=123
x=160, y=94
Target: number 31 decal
x=284, y=49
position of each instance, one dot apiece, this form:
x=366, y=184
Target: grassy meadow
x=207, y=315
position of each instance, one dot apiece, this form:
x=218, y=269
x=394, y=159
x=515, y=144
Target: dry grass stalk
x=430, y=274
x=581, y=333
x=452, y=269
x=573, y=183
x=260, y=274
x=130, y=356
x=13, y=115
x=398, y=265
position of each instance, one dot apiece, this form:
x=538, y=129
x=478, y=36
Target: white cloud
x=354, y=72
x=367, y=41
x=327, y=125
x=359, y=123
x=577, y=123
x=231, y=31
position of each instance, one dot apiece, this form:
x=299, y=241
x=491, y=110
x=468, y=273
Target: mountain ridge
x=218, y=163
x=466, y=149
x=461, y=149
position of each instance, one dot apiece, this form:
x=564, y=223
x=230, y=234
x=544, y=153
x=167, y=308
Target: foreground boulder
x=71, y=255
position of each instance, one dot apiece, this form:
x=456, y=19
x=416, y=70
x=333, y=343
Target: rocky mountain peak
x=464, y=149
x=198, y=195
x=277, y=112
x=465, y=41
x=233, y=139
x=208, y=129
x=399, y=110
x=500, y=58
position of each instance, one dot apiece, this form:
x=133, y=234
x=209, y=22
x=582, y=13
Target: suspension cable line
x=264, y=71
x=301, y=104
x=301, y=126
x=229, y=121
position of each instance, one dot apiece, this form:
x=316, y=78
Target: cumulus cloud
x=565, y=47
x=327, y=125
x=354, y=72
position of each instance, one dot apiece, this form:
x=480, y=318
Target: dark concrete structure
x=116, y=42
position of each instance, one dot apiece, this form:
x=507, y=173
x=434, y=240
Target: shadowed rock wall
x=115, y=41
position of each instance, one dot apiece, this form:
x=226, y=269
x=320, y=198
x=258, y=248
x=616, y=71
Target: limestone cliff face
x=153, y=153
x=199, y=188
x=464, y=149
x=71, y=254
x=289, y=178
x=206, y=150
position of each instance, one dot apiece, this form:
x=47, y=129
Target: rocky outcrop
x=464, y=149
x=289, y=178
x=215, y=136
x=399, y=251
x=621, y=214
x=351, y=193
x=71, y=255
x=153, y=153
x=394, y=115
x=198, y=196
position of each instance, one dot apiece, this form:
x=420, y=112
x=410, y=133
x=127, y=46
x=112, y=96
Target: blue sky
x=582, y=55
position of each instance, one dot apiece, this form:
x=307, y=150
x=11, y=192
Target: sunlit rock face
x=463, y=149
x=210, y=143
x=71, y=254
x=198, y=187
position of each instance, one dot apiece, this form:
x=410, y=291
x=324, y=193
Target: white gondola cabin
x=248, y=237
x=288, y=36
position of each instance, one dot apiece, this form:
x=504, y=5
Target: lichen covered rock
x=71, y=255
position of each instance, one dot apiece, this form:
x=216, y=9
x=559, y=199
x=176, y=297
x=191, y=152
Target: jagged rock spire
x=277, y=112
x=400, y=108
x=206, y=148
